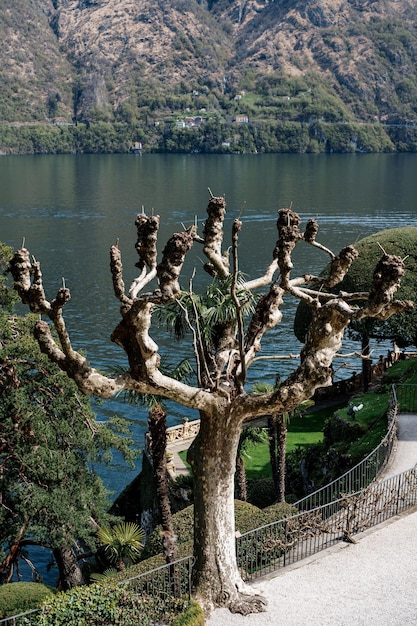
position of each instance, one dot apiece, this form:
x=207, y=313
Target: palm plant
x=211, y=318
x=108, y=573
x=249, y=436
x=277, y=434
x=122, y=543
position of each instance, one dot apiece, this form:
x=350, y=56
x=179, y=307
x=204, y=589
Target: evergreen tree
x=49, y=438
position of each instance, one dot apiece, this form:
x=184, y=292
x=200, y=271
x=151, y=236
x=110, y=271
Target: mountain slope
x=141, y=60
x=364, y=51
x=35, y=74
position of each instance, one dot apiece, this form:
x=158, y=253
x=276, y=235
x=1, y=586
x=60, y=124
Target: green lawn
x=302, y=431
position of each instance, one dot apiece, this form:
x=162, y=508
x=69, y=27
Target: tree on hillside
x=49, y=438
x=400, y=328
x=222, y=356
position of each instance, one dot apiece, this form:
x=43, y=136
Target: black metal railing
x=347, y=506
x=362, y=474
x=173, y=580
x=282, y=543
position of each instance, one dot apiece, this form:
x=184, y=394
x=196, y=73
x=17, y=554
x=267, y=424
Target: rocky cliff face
x=64, y=56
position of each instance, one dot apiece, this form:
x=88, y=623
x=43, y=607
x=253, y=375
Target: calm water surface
x=70, y=209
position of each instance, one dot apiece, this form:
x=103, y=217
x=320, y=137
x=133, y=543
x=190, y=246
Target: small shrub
x=193, y=616
x=261, y=492
x=277, y=511
x=337, y=429
x=17, y=598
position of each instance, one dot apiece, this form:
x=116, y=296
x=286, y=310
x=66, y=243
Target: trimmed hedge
x=247, y=517
x=17, y=598
x=104, y=604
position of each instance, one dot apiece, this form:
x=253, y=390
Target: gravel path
x=371, y=582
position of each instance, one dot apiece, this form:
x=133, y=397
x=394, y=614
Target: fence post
x=285, y=535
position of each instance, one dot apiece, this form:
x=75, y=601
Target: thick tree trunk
x=70, y=574
x=217, y=581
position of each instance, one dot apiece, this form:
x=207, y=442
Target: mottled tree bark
x=212, y=456
x=157, y=431
x=70, y=574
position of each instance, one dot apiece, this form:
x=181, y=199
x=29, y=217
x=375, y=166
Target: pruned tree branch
x=385, y=282
x=241, y=377
x=173, y=257
x=340, y=266
x=116, y=269
x=233, y=351
x=310, y=234
x=27, y=278
x=288, y=237
x=218, y=264
x=266, y=316
x=146, y=246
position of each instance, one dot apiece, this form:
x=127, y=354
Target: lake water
x=70, y=209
